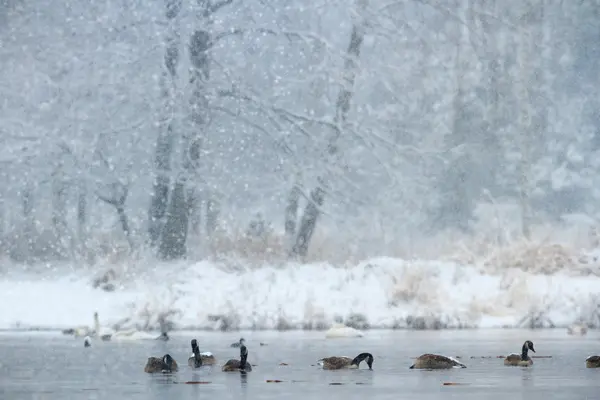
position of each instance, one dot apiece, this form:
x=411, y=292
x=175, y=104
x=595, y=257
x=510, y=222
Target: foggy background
x=468, y=121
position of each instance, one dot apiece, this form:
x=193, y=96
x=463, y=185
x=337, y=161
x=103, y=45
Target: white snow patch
x=386, y=292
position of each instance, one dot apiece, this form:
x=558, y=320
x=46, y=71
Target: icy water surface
x=51, y=366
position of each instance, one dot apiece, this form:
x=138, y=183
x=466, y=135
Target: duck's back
x=154, y=364
x=335, y=362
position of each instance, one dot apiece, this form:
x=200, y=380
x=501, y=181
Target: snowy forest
x=317, y=130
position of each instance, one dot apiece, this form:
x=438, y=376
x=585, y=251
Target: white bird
x=577, y=329
x=342, y=331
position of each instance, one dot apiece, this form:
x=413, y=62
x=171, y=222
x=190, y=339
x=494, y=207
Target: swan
x=342, y=331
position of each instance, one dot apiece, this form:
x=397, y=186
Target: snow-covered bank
x=378, y=293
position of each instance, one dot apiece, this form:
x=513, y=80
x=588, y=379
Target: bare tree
x=185, y=199
x=524, y=128
x=166, y=136
x=317, y=195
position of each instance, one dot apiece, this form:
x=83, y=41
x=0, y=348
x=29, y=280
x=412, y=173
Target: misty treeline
x=173, y=124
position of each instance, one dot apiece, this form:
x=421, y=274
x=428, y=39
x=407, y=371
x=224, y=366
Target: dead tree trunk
x=164, y=143
x=317, y=195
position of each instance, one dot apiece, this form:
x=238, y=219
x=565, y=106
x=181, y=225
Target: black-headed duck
x=436, y=361
x=198, y=359
x=87, y=342
x=592, y=362
x=166, y=365
x=238, y=365
x=523, y=359
x=346, y=362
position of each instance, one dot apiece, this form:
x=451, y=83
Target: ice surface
x=385, y=292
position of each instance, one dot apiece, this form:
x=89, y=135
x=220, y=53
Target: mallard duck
x=198, y=359
x=87, y=342
x=346, y=362
x=166, y=364
x=521, y=360
x=592, y=362
x=241, y=342
x=436, y=361
x=238, y=365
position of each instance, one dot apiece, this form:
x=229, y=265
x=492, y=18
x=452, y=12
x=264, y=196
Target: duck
x=165, y=365
x=83, y=331
x=87, y=342
x=238, y=365
x=342, y=331
x=436, y=361
x=346, y=362
x=521, y=360
x=592, y=362
x=240, y=343
x=198, y=359
x=577, y=329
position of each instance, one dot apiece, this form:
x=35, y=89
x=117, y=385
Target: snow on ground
x=378, y=293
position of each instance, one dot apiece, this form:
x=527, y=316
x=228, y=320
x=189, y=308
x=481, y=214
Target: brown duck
x=346, y=362
x=436, y=361
x=165, y=365
x=198, y=359
x=238, y=365
x=592, y=362
x=523, y=359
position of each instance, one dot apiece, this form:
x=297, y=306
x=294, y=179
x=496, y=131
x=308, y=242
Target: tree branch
x=217, y=6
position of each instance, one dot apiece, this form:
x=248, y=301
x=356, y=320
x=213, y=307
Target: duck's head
x=168, y=362
x=195, y=348
x=368, y=357
x=528, y=345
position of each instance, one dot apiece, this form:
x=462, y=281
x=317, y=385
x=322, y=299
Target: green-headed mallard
x=436, y=361
x=592, y=362
x=520, y=360
x=238, y=365
x=198, y=359
x=239, y=343
x=346, y=362
x=165, y=365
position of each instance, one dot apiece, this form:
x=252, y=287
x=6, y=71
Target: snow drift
x=378, y=293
